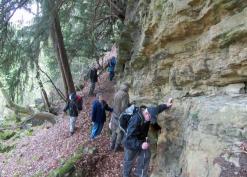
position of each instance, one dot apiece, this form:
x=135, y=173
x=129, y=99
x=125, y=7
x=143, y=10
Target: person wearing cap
x=99, y=107
x=120, y=103
x=135, y=143
x=73, y=112
x=111, y=67
x=93, y=79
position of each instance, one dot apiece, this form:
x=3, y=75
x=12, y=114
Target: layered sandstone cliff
x=196, y=52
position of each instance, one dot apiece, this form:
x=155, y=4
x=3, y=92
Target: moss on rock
x=5, y=135
x=68, y=167
x=4, y=149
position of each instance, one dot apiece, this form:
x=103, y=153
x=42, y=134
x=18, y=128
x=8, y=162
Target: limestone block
x=193, y=50
x=232, y=89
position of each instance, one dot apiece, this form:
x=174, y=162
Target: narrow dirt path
x=102, y=163
x=48, y=148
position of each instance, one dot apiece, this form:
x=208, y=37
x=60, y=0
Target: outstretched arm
x=108, y=108
x=163, y=107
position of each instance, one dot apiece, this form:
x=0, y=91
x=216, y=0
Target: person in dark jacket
x=136, y=144
x=73, y=111
x=99, y=107
x=93, y=79
x=111, y=67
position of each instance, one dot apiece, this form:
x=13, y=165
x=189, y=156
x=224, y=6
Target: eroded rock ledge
x=196, y=52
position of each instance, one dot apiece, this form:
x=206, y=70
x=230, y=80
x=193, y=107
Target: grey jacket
x=121, y=100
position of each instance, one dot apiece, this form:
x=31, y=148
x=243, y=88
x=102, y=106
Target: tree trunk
x=44, y=94
x=43, y=116
x=53, y=36
x=36, y=58
x=61, y=51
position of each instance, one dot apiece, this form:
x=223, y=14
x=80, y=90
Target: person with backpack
x=79, y=102
x=111, y=67
x=135, y=143
x=99, y=107
x=74, y=105
x=93, y=79
x=120, y=103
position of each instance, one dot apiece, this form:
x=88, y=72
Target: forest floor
x=50, y=146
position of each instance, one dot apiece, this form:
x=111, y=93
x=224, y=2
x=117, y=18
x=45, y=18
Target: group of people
x=93, y=75
x=134, y=139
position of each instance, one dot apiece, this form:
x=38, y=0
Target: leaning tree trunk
x=36, y=47
x=59, y=92
x=44, y=94
x=41, y=116
x=11, y=105
x=61, y=51
x=35, y=54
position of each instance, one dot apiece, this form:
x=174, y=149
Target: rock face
x=196, y=52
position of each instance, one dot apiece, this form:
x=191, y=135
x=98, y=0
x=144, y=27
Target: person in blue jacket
x=99, y=107
x=136, y=144
x=111, y=67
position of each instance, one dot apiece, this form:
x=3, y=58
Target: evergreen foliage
x=89, y=28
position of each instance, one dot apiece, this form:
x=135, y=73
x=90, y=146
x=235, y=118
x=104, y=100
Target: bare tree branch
x=57, y=89
x=119, y=12
x=12, y=9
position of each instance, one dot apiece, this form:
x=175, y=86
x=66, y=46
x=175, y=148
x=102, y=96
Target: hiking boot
x=134, y=175
x=117, y=148
x=71, y=133
x=111, y=148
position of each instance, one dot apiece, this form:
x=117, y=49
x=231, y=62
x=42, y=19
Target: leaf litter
x=48, y=148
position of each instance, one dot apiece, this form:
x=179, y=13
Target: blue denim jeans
x=96, y=129
x=143, y=159
x=111, y=75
